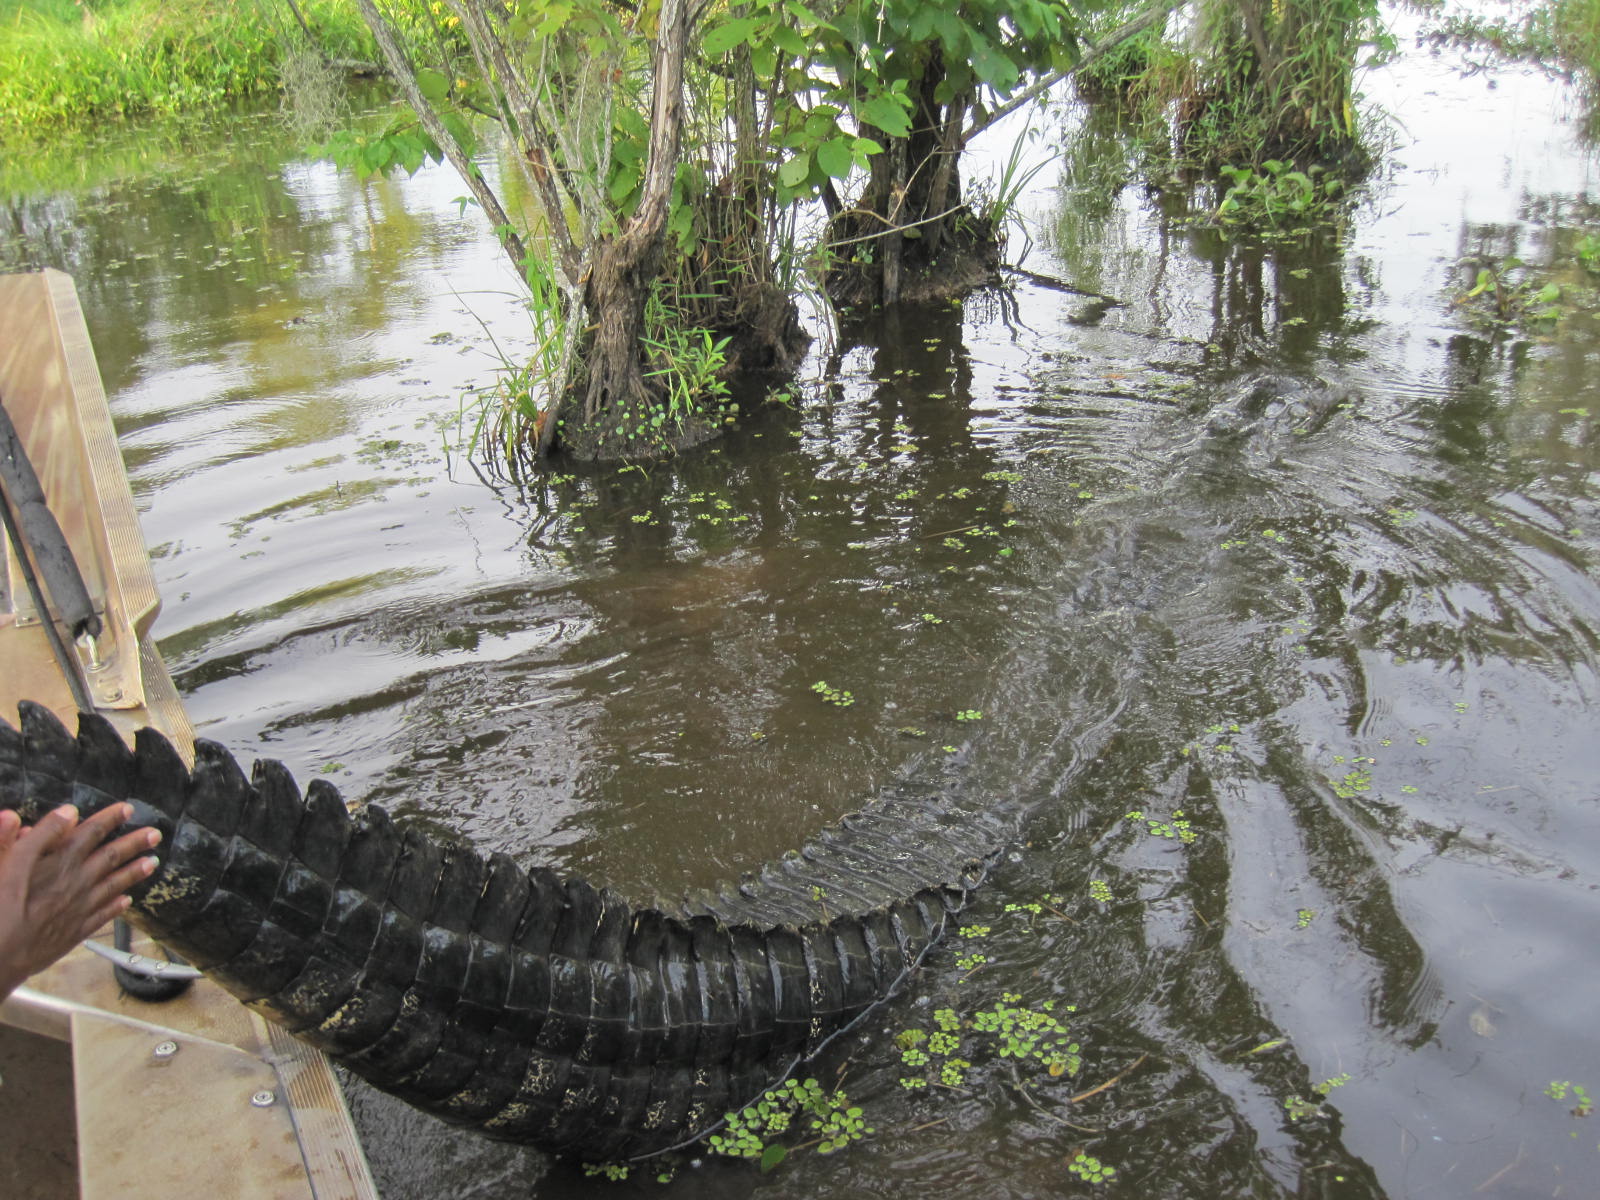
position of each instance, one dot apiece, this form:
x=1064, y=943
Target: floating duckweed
x=1563, y=1089
x=1090, y=1169
x=833, y=1120
x=835, y=696
x=1178, y=827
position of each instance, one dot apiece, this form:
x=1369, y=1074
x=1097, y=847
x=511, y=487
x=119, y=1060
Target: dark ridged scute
x=531, y=1007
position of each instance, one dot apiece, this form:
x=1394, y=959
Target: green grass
x=65, y=64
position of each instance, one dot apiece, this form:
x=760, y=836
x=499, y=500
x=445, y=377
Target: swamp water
x=1281, y=551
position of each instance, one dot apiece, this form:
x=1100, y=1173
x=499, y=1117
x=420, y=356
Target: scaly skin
x=529, y=1007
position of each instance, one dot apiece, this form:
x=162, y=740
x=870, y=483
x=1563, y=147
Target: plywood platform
x=196, y=1096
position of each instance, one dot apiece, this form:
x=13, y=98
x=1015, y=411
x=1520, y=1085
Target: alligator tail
x=530, y=1007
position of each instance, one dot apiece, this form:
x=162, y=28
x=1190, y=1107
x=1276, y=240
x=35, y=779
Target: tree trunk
x=626, y=265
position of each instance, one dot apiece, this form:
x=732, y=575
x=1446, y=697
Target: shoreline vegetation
x=67, y=66
x=660, y=157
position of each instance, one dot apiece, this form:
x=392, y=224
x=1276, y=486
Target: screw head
x=165, y=1049
x=264, y=1099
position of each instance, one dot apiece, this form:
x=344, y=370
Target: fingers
x=112, y=908
x=89, y=834
x=49, y=833
x=113, y=855
x=10, y=827
x=109, y=889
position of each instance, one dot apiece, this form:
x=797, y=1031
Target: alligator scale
x=530, y=1007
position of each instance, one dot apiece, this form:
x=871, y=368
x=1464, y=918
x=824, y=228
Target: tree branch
x=406, y=80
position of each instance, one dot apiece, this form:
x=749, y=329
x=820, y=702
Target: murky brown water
x=1282, y=541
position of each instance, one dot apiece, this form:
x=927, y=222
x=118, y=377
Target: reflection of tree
x=704, y=602
x=261, y=268
x=1248, y=297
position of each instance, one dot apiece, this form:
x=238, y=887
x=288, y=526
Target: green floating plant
x=838, y=697
x=830, y=1118
x=1090, y=1169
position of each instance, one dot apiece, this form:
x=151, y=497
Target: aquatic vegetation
x=1276, y=193
x=838, y=697
x=828, y=1117
x=1565, y=1089
x=1100, y=891
x=1300, y=1109
x=1356, y=781
x=1004, y=1030
x=1090, y=1169
x=1178, y=827
x=1507, y=292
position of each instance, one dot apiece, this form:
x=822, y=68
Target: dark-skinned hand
x=60, y=881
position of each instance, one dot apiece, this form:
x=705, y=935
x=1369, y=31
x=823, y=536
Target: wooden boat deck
x=192, y=1096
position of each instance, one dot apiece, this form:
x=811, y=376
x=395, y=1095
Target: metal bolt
x=166, y=1049
x=264, y=1099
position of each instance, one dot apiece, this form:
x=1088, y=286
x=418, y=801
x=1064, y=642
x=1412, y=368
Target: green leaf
x=624, y=182
x=789, y=41
x=820, y=122
x=794, y=173
x=886, y=114
x=376, y=156
x=771, y=1157
x=1265, y=1046
x=434, y=85
x=411, y=153
x=724, y=37
x=835, y=157
x=681, y=225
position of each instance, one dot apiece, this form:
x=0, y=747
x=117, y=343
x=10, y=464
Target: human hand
x=60, y=881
